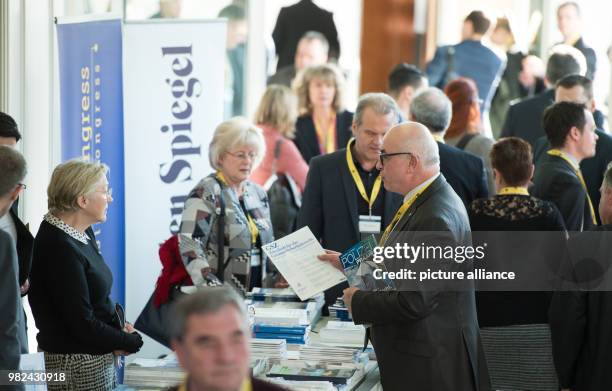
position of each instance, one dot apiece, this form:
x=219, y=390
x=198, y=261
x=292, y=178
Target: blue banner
x=91, y=103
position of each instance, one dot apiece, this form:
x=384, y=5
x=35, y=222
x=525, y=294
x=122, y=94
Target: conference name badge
x=369, y=224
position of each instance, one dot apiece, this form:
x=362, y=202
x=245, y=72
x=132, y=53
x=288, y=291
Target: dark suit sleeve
x=436, y=69
x=10, y=303
x=392, y=307
x=508, y=126
x=569, y=197
x=279, y=33
x=334, y=44
x=568, y=327
x=591, y=60
x=72, y=291
x=483, y=188
x=311, y=212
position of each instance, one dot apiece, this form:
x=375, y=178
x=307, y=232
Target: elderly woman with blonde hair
x=226, y=218
x=276, y=116
x=324, y=126
x=80, y=329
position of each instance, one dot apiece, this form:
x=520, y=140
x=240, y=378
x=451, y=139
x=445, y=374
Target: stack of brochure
x=272, y=294
x=342, y=334
x=292, y=334
x=330, y=354
x=155, y=373
x=284, y=313
x=303, y=385
x=338, y=311
x=268, y=348
x=306, y=371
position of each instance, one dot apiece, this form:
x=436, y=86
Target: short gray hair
x=380, y=103
x=205, y=301
x=235, y=131
x=13, y=168
x=315, y=36
x=71, y=180
x=432, y=108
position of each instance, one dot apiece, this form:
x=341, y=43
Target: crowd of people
x=416, y=158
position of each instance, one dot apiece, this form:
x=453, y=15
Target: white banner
x=173, y=94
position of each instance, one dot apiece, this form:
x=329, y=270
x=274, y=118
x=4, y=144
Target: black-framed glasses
x=22, y=185
x=384, y=156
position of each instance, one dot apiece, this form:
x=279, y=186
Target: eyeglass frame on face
x=108, y=192
x=22, y=185
x=243, y=155
x=384, y=155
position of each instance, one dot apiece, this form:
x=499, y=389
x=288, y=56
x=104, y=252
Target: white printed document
x=295, y=257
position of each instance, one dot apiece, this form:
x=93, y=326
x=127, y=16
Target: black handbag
x=154, y=321
x=283, y=197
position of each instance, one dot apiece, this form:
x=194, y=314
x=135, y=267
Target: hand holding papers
x=295, y=257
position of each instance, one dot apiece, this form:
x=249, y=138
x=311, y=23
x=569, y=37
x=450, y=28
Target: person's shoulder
x=345, y=115
x=329, y=159
x=261, y=193
x=605, y=140
x=457, y=154
x=5, y=238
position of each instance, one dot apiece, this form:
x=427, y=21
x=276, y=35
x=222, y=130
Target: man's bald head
x=416, y=138
x=410, y=157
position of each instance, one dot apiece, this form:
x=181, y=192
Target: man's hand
x=129, y=328
x=281, y=282
x=333, y=257
x=348, y=297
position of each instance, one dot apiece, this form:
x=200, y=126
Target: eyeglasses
x=108, y=193
x=384, y=156
x=243, y=155
x=22, y=185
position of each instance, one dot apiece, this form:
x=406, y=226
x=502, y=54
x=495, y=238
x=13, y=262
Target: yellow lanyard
x=327, y=141
x=563, y=155
x=359, y=182
x=252, y=227
x=513, y=190
x=399, y=214
x=246, y=385
x=438, y=138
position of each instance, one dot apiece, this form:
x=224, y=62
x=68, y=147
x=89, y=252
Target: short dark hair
x=13, y=169
x=8, y=127
x=571, y=81
x=560, y=118
x=233, y=12
x=480, y=22
x=403, y=75
x=511, y=156
x=570, y=3
x=564, y=60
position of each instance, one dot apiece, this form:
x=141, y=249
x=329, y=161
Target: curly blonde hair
x=327, y=73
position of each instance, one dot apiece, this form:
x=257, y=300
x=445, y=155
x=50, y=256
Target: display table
x=370, y=381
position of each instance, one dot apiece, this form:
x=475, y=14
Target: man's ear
x=574, y=133
x=354, y=129
x=407, y=93
x=15, y=193
x=532, y=171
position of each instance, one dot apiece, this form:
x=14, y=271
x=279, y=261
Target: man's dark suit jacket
x=593, y=168
x=283, y=76
x=465, y=173
x=330, y=209
x=556, y=181
x=10, y=302
x=589, y=55
x=306, y=134
x=524, y=118
x=296, y=20
x=426, y=340
x=581, y=320
x=25, y=241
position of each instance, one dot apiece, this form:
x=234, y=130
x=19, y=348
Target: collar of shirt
x=70, y=231
x=421, y=186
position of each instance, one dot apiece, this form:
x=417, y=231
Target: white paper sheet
x=33, y=362
x=295, y=257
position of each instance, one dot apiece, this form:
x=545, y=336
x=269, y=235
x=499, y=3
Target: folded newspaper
x=359, y=267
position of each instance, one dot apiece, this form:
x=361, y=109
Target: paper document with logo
x=359, y=267
x=295, y=257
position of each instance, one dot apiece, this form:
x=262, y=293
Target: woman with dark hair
x=514, y=325
x=465, y=129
